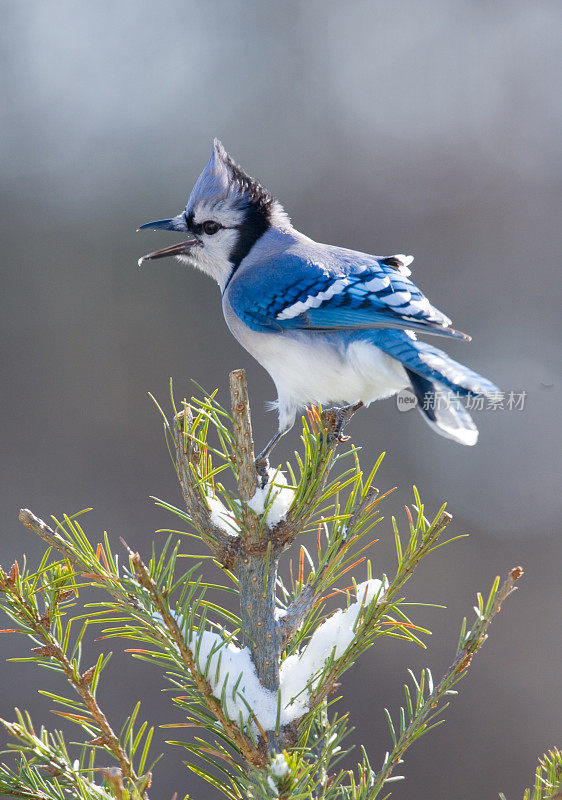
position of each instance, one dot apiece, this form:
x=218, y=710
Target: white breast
x=309, y=367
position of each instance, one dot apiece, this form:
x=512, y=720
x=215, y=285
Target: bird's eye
x=210, y=227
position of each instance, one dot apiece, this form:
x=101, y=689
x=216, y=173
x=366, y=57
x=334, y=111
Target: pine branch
x=45, y=771
x=50, y=650
x=548, y=778
x=104, y=577
x=128, y=600
x=296, y=611
x=48, y=535
x=423, y=540
x=425, y=710
x=81, y=683
x=256, y=569
x=319, y=460
x=252, y=754
x=244, y=441
x=223, y=547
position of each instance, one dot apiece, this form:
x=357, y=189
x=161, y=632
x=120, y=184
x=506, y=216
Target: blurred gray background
x=428, y=128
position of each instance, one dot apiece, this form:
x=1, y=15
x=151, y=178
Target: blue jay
x=330, y=325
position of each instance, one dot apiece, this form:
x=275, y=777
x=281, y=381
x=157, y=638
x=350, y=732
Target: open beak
x=179, y=249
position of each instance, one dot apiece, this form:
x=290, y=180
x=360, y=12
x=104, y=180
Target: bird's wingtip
x=465, y=337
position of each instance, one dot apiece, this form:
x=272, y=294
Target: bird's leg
x=343, y=415
x=262, y=460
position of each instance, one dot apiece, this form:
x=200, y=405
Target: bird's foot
x=341, y=417
x=262, y=460
x=262, y=468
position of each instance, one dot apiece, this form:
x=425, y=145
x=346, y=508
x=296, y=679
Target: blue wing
x=293, y=293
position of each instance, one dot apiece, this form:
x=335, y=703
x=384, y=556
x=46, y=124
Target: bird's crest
x=256, y=194
x=224, y=181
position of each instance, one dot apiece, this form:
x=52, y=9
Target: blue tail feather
x=449, y=419
x=432, y=372
x=433, y=364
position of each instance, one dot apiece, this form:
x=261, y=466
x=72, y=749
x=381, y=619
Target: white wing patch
x=376, y=284
x=406, y=261
x=397, y=298
x=313, y=300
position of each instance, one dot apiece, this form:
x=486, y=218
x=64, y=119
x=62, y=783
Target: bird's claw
x=341, y=417
x=262, y=468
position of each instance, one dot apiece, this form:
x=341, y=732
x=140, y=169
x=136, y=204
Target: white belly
x=316, y=368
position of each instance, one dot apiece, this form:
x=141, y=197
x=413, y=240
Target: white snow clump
x=231, y=672
x=278, y=766
x=276, y=494
x=221, y=516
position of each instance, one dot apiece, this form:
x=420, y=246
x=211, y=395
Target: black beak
x=180, y=249
x=174, y=224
